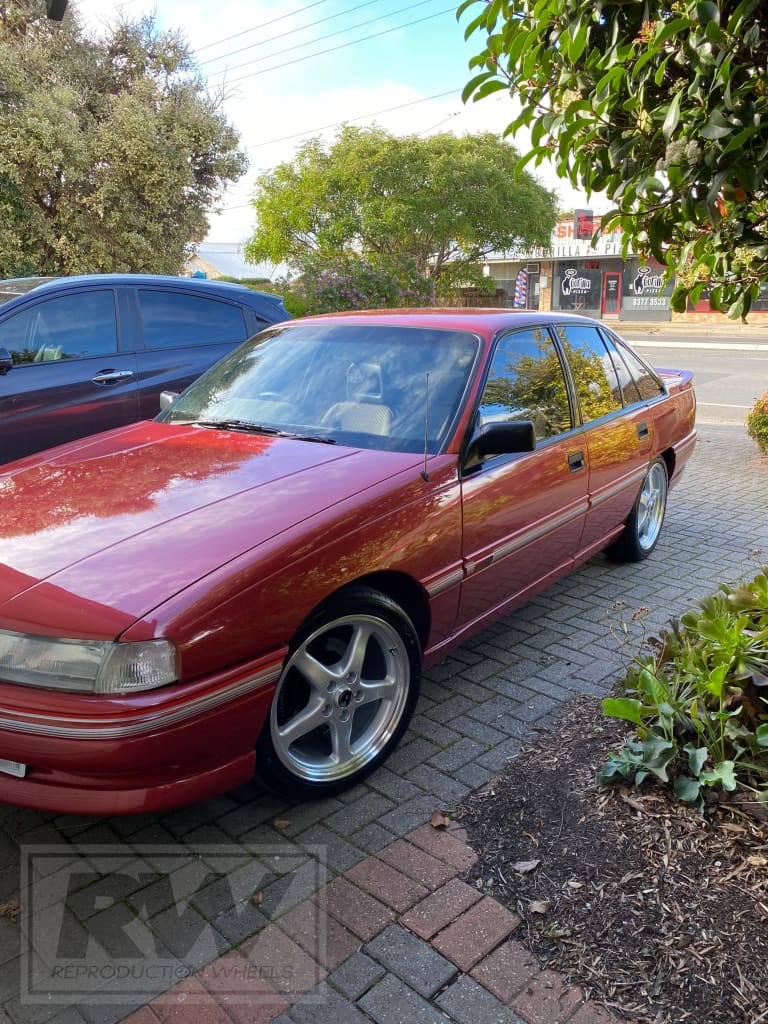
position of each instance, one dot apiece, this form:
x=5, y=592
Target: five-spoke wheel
x=643, y=527
x=345, y=695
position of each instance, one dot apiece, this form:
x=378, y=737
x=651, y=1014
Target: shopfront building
x=576, y=275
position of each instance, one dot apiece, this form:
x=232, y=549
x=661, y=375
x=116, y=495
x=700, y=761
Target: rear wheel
x=344, y=698
x=643, y=527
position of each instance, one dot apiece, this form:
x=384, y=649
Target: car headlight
x=87, y=666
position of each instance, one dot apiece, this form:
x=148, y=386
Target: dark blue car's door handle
x=112, y=376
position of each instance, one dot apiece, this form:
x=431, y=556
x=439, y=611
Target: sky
x=289, y=70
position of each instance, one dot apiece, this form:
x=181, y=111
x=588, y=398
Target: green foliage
x=757, y=423
x=349, y=282
x=442, y=202
x=112, y=150
x=700, y=702
x=663, y=107
x=256, y=284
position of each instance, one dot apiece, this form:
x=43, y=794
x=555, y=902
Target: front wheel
x=643, y=527
x=344, y=698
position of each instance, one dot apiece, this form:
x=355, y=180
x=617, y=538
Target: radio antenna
x=424, y=473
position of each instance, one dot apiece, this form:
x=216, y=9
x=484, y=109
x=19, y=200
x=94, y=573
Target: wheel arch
x=670, y=460
x=401, y=588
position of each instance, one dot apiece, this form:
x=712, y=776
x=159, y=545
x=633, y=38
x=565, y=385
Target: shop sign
x=646, y=288
x=572, y=284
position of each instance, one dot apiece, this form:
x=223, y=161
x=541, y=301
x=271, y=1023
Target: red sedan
x=253, y=580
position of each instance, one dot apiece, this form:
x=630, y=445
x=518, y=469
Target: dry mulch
x=659, y=914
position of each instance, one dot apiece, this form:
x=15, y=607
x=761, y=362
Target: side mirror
x=166, y=397
x=6, y=363
x=504, y=438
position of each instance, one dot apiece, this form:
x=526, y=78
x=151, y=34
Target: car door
x=524, y=513
x=184, y=335
x=617, y=429
x=68, y=378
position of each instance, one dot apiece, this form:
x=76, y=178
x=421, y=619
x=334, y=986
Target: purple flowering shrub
x=350, y=282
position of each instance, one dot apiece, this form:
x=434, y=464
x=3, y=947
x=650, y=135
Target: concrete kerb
x=725, y=328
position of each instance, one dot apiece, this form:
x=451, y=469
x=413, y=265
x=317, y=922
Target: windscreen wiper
x=260, y=428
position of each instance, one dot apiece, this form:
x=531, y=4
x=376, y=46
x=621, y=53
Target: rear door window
x=175, y=320
x=594, y=374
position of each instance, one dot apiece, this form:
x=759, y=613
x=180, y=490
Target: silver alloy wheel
x=651, y=505
x=340, y=698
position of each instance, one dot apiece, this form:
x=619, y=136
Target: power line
x=348, y=120
x=264, y=24
x=341, y=46
x=320, y=39
x=282, y=35
x=337, y=124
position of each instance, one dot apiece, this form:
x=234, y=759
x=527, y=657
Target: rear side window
x=645, y=380
x=174, y=320
x=66, y=327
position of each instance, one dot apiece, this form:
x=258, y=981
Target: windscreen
x=395, y=388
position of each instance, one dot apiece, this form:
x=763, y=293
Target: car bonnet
x=102, y=531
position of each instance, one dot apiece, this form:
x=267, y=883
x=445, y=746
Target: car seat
x=363, y=410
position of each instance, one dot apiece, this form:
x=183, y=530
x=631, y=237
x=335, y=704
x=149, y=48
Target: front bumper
x=105, y=755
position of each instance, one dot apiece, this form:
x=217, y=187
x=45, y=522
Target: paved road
x=731, y=369
x=175, y=890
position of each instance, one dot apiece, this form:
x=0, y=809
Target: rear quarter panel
x=675, y=419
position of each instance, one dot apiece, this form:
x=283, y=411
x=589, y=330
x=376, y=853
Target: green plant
x=331, y=284
x=699, y=703
x=757, y=423
x=660, y=107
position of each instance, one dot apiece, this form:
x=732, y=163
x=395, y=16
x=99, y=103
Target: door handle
x=111, y=376
x=576, y=461
x=642, y=430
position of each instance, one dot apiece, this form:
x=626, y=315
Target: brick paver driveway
x=185, y=881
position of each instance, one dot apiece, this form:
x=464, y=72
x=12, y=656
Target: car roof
x=202, y=286
x=485, y=321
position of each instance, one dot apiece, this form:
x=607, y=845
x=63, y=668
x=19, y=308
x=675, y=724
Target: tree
x=661, y=105
x=112, y=150
x=442, y=202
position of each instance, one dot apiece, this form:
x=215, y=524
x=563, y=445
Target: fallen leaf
x=757, y=861
x=573, y=884
x=439, y=820
x=280, y=823
x=633, y=802
x=729, y=826
x=10, y=908
x=523, y=867
x=540, y=906
x=257, y=898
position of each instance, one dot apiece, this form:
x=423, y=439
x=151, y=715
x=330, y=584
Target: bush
x=351, y=282
x=700, y=701
x=757, y=423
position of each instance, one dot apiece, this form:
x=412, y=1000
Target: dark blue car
x=84, y=354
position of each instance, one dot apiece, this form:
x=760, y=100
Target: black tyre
x=345, y=696
x=643, y=527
